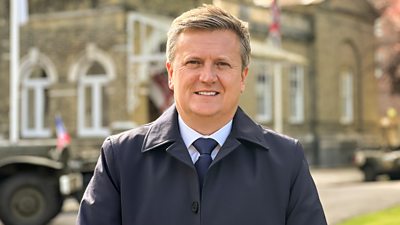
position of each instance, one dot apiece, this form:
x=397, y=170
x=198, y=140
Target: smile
x=206, y=93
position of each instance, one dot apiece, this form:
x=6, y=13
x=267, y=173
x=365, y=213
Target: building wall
x=344, y=40
x=65, y=38
x=334, y=36
x=331, y=36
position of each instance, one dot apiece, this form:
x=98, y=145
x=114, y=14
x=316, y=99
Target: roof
x=267, y=3
x=264, y=50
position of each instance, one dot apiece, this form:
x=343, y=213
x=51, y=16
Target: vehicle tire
x=29, y=199
x=370, y=174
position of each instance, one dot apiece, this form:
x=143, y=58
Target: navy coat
x=145, y=176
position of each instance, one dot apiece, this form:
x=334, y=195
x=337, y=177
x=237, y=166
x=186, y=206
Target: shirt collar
x=189, y=135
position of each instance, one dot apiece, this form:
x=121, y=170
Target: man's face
x=206, y=74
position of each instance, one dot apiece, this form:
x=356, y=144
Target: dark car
x=378, y=161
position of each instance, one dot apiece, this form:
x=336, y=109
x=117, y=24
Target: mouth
x=206, y=93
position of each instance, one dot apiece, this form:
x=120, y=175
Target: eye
x=193, y=63
x=223, y=65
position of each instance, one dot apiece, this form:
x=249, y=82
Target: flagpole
x=14, y=72
x=278, y=125
x=275, y=39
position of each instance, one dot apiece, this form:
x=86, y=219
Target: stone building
x=342, y=110
x=329, y=95
x=100, y=65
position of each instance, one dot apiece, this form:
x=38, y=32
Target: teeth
x=208, y=93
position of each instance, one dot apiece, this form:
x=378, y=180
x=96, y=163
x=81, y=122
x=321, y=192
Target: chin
x=205, y=111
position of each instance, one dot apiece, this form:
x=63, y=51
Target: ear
x=243, y=77
x=168, y=65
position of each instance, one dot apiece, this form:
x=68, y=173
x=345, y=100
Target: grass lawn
x=389, y=216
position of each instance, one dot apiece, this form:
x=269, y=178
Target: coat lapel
x=243, y=130
x=164, y=134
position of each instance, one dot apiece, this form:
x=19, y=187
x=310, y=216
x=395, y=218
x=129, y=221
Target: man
x=155, y=175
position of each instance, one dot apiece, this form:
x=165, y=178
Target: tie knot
x=205, y=145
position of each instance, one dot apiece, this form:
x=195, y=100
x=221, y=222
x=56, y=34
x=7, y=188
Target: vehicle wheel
x=369, y=174
x=29, y=199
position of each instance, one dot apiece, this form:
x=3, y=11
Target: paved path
x=344, y=196
x=332, y=176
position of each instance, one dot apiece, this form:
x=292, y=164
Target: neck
x=206, y=125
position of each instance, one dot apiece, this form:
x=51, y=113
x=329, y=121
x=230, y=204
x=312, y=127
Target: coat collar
x=245, y=129
x=165, y=131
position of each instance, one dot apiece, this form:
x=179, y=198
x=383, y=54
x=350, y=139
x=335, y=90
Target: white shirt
x=189, y=136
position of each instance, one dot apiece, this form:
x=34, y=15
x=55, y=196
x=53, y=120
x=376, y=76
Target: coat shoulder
x=127, y=139
x=274, y=137
x=130, y=134
x=283, y=146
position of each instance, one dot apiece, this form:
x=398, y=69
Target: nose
x=208, y=74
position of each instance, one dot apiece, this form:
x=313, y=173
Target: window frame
x=35, y=59
x=38, y=86
x=264, y=92
x=296, y=94
x=346, y=97
x=95, y=82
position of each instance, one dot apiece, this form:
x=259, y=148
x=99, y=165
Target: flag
x=274, y=33
x=63, y=138
x=23, y=11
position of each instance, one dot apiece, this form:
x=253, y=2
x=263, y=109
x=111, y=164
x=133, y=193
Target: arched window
x=37, y=74
x=349, y=84
x=92, y=73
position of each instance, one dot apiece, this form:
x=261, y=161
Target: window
x=34, y=104
x=263, y=74
x=379, y=62
x=378, y=28
x=38, y=73
x=296, y=94
x=92, y=102
x=93, y=73
x=346, y=98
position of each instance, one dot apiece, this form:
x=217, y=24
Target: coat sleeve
x=100, y=204
x=304, y=205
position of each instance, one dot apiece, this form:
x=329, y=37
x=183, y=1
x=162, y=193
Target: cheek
x=236, y=85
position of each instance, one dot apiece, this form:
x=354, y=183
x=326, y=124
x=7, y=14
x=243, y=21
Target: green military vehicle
x=34, y=181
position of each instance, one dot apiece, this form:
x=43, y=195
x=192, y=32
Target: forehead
x=193, y=32
x=208, y=40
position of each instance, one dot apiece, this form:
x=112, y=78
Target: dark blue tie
x=205, y=147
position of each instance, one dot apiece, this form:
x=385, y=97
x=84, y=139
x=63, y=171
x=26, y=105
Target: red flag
x=275, y=27
x=63, y=138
